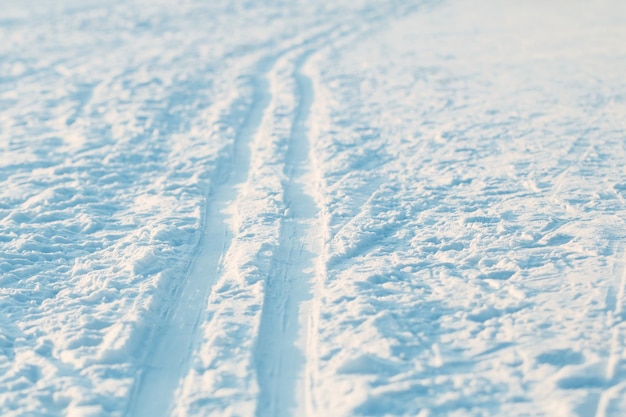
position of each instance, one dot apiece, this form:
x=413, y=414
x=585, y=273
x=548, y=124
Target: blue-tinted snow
x=269, y=209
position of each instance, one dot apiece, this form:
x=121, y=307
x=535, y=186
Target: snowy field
x=310, y=208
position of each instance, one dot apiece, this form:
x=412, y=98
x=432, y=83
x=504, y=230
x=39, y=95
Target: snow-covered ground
x=312, y=208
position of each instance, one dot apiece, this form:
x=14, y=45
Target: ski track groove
x=279, y=362
x=168, y=363
x=287, y=335
x=287, y=332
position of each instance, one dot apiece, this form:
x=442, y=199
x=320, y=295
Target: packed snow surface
x=312, y=208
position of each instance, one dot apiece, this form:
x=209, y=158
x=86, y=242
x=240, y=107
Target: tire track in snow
x=281, y=351
x=176, y=337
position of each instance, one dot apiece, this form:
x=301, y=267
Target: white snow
x=312, y=208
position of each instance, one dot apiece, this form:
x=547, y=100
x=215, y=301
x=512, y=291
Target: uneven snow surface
x=312, y=208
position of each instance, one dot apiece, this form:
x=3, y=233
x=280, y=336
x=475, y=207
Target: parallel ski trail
x=177, y=336
x=281, y=351
x=285, y=356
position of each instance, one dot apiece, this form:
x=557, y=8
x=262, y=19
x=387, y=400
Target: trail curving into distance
x=176, y=339
x=281, y=357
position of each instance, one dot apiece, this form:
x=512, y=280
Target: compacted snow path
x=279, y=361
x=313, y=208
x=176, y=335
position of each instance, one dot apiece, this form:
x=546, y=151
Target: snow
x=271, y=209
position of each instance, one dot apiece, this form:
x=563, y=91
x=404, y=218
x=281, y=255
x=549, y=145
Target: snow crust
x=269, y=209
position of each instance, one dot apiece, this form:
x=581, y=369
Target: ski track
x=177, y=335
x=285, y=346
x=282, y=348
x=279, y=361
